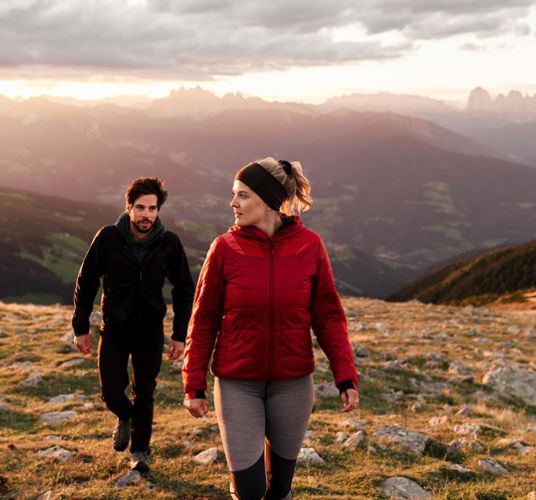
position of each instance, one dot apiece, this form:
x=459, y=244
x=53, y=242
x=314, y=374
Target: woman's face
x=248, y=207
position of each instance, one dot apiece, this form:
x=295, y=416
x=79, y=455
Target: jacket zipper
x=271, y=310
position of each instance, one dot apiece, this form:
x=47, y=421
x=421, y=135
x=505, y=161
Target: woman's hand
x=350, y=400
x=197, y=407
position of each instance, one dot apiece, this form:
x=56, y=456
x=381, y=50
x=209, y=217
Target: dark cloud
x=181, y=38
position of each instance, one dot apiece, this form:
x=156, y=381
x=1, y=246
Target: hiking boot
x=121, y=434
x=139, y=460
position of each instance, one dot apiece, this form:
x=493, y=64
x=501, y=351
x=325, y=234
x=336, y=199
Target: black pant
x=146, y=353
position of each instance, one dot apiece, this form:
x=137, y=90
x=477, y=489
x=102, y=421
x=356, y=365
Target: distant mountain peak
x=480, y=101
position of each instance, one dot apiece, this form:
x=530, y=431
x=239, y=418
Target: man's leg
x=146, y=362
x=113, y=361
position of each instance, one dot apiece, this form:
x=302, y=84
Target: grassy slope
x=501, y=271
x=410, y=332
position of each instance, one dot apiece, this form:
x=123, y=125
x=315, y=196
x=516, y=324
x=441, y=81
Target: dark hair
x=146, y=185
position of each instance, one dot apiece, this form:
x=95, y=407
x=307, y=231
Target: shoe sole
x=140, y=467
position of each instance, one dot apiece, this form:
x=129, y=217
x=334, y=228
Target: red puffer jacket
x=256, y=300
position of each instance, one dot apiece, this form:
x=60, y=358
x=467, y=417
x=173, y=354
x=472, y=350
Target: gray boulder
x=513, y=382
x=413, y=441
x=403, y=488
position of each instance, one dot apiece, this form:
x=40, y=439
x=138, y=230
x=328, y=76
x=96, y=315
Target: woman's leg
x=288, y=408
x=241, y=419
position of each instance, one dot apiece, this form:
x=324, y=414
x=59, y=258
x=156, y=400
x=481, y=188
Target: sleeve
x=329, y=324
x=87, y=285
x=182, y=292
x=205, y=322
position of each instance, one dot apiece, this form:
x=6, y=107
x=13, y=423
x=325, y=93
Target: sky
x=285, y=50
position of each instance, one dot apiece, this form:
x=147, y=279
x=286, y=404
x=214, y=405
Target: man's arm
x=87, y=285
x=182, y=294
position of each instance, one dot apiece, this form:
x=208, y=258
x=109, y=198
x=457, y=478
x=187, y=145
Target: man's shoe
x=121, y=434
x=139, y=460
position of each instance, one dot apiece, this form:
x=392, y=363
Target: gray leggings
x=253, y=415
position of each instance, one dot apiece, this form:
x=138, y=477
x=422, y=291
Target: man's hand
x=175, y=349
x=197, y=407
x=83, y=342
x=350, y=399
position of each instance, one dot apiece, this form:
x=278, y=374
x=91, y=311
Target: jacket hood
x=291, y=226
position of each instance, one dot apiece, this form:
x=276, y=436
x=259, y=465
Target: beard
x=142, y=229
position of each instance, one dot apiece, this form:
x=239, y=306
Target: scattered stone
x=531, y=495
x=354, y=440
x=65, y=398
x=308, y=434
x=326, y=390
x=187, y=443
x=464, y=411
x=403, y=488
x=52, y=437
x=458, y=368
x=95, y=318
x=196, y=431
x=57, y=452
x=436, y=421
x=393, y=396
x=207, y=457
x=416, y=407
x=308, y=456
x=48, y=495
x=130, y=478
x=87, y=407
x=353, y=423
x=72, y=362
x=513, y=382
x=386, y=356
x=459, y=468
x=361, y=352
x=68, y=340
x=413, y=441
x=467, y=429
x=341, y=437
x=54, y=417
x=32, y=381
x=492, y=466
x=371, y=450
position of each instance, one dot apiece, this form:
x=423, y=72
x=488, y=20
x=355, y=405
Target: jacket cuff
x=346, y=384
x=179, y=337
x=196, y=394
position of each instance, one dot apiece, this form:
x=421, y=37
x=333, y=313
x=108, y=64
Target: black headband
x=269, y=189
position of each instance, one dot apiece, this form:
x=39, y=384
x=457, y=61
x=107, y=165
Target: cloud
x=203, y=38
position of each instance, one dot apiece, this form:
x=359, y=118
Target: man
x=133, y=257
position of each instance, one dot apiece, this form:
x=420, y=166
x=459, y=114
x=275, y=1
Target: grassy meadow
x=422, y=368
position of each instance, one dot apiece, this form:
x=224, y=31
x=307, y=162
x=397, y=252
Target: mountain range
x=393, y=193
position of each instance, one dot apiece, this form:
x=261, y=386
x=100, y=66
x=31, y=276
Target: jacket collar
x=291, y=226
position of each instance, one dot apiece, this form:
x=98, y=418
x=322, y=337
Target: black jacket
x=132, y=300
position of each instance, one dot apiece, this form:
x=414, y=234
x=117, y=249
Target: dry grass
x=423, y=341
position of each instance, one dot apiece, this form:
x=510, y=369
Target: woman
x=263, y=285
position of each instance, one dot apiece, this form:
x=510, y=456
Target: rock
x=492, y=466
x=353, y=423
x=207, y=457
x=413, y=441
x=52, y=437
x=467, y=429
x=57, y=452
x=371, y=450
x=458, y=368
x=393, y=396
x=435, y=421
x=326, y=390
x=464, y=411
x=62, y=398
x=187, y=443
x=32, y=381
x=196, y=431
x=54, y=417
x=386, y=356
x=130, y=478
x=361, y=352
x=403, y=488
x=68, y=340
x=354, y=440
x=341, y=437
x=513, y=382
x=417, y=407
x=72, y=362
x=95, y=318
x=87, y=407
x=308, y=456
x=531, y=495
x=49, y=495
x=459, y=468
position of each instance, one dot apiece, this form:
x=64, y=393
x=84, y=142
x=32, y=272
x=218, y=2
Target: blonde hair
x=296, y=185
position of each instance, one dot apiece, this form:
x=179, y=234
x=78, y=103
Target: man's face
x=143, y=213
